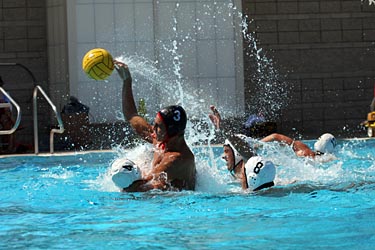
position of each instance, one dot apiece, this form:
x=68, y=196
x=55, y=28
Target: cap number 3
x=177, y=115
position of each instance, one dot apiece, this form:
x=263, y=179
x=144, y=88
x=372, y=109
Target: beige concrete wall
x=203, y=35
x=325, y=51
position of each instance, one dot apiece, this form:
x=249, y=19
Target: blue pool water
x=68, y=202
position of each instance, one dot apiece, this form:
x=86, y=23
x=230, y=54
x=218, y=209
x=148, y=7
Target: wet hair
x=174, y=118
x=241, y=146
x=73, y=99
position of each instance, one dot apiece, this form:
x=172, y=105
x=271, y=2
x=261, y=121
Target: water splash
x=140, y=155
x=169, y=86
x=370, y=2
x=270, y=93
x=352, y=168
x=169, y=90
x=348, y=168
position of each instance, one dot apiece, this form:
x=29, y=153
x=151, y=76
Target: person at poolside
x=325, y=144
x=173, y=165
x=253, y=171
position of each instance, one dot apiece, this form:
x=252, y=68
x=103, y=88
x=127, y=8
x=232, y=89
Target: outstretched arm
x=300, y=148
x=278, y=137
x=139, y=124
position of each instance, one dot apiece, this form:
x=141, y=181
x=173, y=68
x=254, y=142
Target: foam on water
x=342, y=170
x=346, y=169
x=62, y=173
x=210, y=177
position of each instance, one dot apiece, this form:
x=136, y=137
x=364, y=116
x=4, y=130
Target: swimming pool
x=59, y=202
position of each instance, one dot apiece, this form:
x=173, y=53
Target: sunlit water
x=69, y=202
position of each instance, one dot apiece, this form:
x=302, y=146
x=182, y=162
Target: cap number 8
x=258, y=167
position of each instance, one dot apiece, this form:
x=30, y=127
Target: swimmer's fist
x=123, y=70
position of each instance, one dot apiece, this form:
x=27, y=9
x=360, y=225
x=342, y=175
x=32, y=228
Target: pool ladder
x=35, y=118
x=9, y=106
x=37, y=89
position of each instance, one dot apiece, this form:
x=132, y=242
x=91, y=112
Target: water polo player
x=254, y=172
x=173, y=165
x=325, y=144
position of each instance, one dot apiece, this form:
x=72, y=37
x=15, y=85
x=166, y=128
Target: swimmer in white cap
x=256, y=174
x=124, y=172
x=325, y=144
x=173, y=161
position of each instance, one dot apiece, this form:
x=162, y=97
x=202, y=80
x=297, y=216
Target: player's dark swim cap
x=240, y=147
x=174, y=118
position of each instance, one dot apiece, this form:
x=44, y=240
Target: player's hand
x=215, y=117
x=123, y=70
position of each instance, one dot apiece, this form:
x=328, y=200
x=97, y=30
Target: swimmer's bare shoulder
x=302, y=150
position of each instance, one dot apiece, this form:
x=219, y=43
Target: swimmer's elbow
x=270, y=138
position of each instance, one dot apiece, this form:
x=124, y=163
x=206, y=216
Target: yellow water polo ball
x=98, y=64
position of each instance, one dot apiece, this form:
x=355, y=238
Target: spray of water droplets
x=168, y=86
x=270, y=93
x=370, y=2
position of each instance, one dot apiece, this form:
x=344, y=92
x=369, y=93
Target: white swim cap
x=325, y=144
x=260, y=173
x=124, y=172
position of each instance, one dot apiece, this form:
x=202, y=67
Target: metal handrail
x=7, y=105
x=35, y=117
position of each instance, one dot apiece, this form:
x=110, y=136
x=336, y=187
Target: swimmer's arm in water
x=148, y=183
x=136, y=186
x=145, y=185
x=299, y=147
x=279, y=138
x=139, y=124
x=161, y=177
